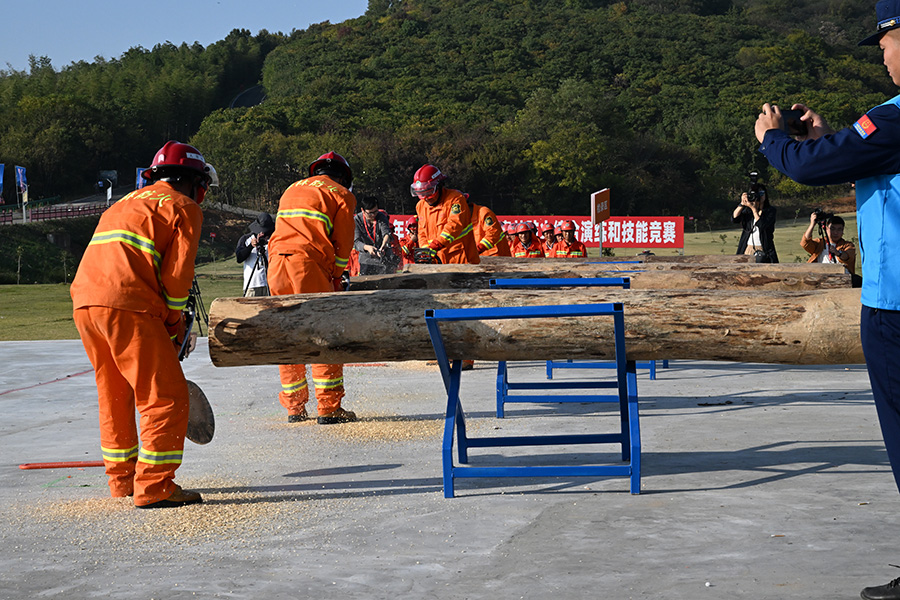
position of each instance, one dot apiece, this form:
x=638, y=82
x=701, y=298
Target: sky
x=68, y=31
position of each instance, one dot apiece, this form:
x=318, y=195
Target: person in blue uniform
x=869, y=154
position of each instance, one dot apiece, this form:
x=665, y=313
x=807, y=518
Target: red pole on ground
x=63, y=465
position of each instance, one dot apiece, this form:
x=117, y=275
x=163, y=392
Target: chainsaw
x=201, y=421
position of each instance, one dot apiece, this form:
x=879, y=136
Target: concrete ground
x=759, y=481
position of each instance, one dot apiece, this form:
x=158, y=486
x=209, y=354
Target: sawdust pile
x=376, y=428
x=229, y=511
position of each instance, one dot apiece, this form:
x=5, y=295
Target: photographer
x=373, y=239
x=251, y=250
x=831, y=247
x=757, y=219
x=868, y=152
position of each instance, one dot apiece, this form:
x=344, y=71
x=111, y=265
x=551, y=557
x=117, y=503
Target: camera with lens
x=822, y=217
x=756, y=191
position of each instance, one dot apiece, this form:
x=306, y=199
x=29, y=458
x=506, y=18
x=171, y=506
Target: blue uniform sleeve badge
x=865, y=127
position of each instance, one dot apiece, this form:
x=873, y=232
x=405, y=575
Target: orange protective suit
x=128, y=295
x=309, y=250
x=490, y=239
x=448, y=225
x=534, y=250
x=563, y=250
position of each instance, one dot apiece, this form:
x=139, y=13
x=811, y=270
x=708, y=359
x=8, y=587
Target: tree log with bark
x=813, y=327
x=643, y=277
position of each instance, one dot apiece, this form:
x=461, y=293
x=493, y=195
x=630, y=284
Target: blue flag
x=1, y=182
x=21, y=182
x=139, y=181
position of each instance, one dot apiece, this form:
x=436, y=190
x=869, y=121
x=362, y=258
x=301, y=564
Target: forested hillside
x=528, y=105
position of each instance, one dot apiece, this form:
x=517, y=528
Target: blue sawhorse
x=626, y=385
x=503, y=384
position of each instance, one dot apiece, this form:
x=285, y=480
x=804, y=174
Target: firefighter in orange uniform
x=569, y=247
x=308, y=253
x=445, y=221
x=490, y=237
x=128, y=296
x=529, y=246
x=548, y=238
x=410, y=242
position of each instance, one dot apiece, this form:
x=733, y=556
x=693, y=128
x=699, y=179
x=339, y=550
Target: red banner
x=617, y=232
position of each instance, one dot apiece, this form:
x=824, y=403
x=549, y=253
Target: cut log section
x=814, y=327
x=643, y=277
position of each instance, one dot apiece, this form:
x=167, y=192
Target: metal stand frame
x=626, y=385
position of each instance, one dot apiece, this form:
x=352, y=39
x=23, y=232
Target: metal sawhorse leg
x=628, y=436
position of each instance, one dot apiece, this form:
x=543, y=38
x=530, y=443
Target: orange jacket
x=563, y=250
x=816, y=245
x=141, y=257
x=534, y=250
x=315, y=219
x=448, y=224
x=490, y=239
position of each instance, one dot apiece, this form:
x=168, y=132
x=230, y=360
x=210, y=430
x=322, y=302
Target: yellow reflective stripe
x=127, y=237
x=486, y=243
x=325, y=384
x=340, y=262
x=175, y=303
x=502, y=237
x=118, y=455
x=464, y=233
x=306, y=213
x=172, y=457
x=290, y=388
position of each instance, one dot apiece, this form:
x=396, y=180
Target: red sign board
x=617, y=232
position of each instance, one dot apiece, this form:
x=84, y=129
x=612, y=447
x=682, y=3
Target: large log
x=815, y=327
x=643, y=277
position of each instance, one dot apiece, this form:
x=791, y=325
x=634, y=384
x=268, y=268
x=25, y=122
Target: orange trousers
x=297, y=274
x=136, y=367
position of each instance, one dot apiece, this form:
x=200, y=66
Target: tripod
x=261, y=257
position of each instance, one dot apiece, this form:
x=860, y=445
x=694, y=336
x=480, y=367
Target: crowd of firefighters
x=449, y=228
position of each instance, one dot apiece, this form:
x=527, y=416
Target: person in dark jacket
x=757, y=219
x=251, y=251
x=373, y=238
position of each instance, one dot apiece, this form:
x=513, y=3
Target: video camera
x=822, y=217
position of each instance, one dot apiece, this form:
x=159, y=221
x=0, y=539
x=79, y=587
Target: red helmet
x=412, y=222
x=568, y=226
x=546, y=226
x=334, y=165
x=522, y=227
x=181, y=156
x=426, y=183
x=175, y=157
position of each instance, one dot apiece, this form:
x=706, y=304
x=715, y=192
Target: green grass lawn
x=44, y=312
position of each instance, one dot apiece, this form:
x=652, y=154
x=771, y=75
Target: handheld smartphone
x=790, y=122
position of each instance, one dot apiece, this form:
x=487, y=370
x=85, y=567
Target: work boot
x=338, y=416
x=888, y=591
x=468, y=365
x=179, y=497
x=299, y=417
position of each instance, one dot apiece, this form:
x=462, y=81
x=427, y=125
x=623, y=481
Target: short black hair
x=369, y=202
x=835, y=220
